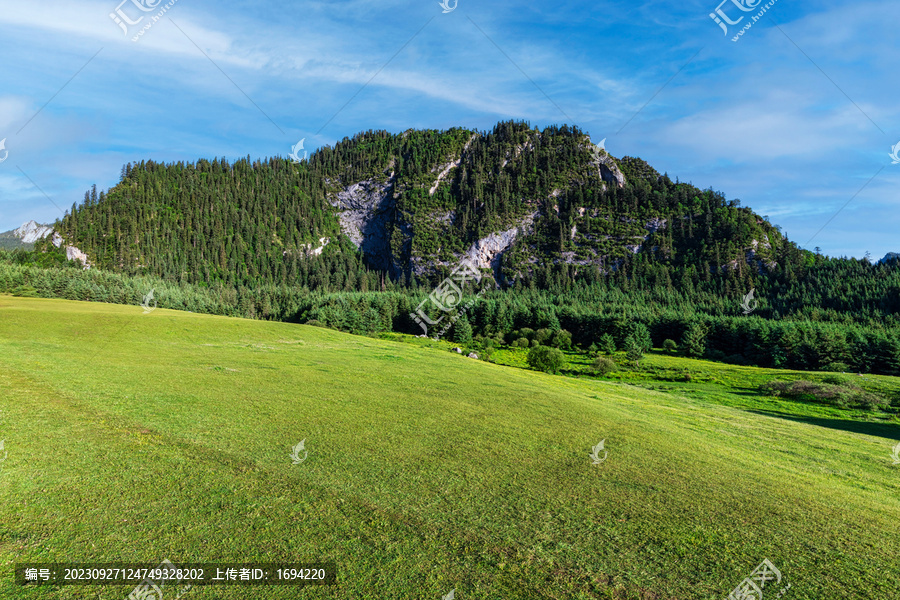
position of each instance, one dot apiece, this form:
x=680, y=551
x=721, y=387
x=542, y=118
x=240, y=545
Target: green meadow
x=140, y=437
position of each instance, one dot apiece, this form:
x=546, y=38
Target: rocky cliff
x=31, y=231
x=546, y=205
x=386, y=234
x=24, y=236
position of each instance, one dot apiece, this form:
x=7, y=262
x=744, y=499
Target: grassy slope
x=734, y=385
x=141, y=437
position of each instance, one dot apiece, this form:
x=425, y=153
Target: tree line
x=571, y=321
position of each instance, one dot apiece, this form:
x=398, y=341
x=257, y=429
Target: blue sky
x=796, y=119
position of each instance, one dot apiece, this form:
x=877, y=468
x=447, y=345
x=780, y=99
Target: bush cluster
x=844, y=395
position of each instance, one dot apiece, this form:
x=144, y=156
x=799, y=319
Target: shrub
x=546, y=359
x=593, y=350
x=526, y=332
x=315, y=323
x=604, y=366
x=25, y=291
x=670, y=346
x=842, y=396
x=838, y=380
x=562, y=339
x=542, y=336
x=535, y=343
x=522, y=342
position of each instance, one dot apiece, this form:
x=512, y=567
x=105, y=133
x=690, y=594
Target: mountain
x=526, y=205
x=25, y=236
x=889, y=257
x=31, y=233
x=575, y=247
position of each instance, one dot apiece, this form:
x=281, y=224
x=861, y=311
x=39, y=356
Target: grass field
x=137, y=438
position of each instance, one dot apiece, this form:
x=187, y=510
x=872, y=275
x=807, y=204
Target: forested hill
x=538, y=208
x=570, y=241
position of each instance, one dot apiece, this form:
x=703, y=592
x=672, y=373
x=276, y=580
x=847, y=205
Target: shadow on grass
x=889, y=431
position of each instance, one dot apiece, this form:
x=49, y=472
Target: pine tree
x=642, y=336
x=694, y=341
x=634, y=351
x=607, y=344
x=462, y=332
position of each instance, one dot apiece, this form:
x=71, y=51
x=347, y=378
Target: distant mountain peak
x=32, y=231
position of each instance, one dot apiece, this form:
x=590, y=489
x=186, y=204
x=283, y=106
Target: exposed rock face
x=31, y=232
x=318, y=251
x=757, y=261
x=765, y=244
x=369, y=217
x=448, y=167
x=446, y=218
x=366, y=209
x=72, y=253
x=442, y=174
x=308, y=249
x=655, y=224
x=593, y=258
x=609, y=170
x=488, y=251
x=526, y=147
